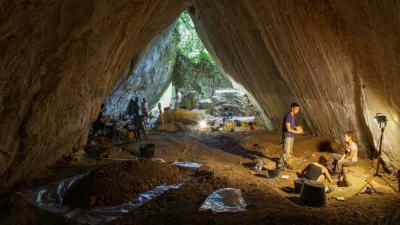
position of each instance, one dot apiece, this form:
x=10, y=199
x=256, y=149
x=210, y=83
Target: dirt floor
x=227, y=157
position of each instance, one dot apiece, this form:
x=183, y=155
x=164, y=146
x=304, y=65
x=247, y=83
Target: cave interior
x=175, y=112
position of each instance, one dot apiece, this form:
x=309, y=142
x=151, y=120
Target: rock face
x=59, y=59
x=150, y=76
x=203, y=77
x=233, y=101
x=190, y=100
x=338, y=59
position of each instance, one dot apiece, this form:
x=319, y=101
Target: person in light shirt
x=145, y=106
x=349, y=157
x=178, y=99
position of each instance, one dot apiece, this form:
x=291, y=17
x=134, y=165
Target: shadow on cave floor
x=327, y=146
x=228, y=142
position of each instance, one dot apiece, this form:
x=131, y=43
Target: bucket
x=147, y=150
x=313, y=193
x=273, y=173
x=298, y=184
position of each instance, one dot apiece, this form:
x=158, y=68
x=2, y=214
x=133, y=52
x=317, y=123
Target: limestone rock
x=267, y=163
x=149, y=77
x=338, y=60
x=203, y=77
x=190, y=100
x=234, y=102
x=206, y=104
x=59, y=59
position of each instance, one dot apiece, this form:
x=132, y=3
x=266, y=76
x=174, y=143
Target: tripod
x=382, y=126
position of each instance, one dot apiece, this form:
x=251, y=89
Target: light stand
x=382, y=121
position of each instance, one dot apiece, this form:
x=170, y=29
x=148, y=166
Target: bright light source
x=203, y=124
x=226, y=91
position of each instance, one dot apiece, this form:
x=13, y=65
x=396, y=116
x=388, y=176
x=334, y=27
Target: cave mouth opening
x=175, y=71
x=229, y=158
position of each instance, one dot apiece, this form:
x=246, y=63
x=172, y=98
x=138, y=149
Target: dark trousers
x=137, y=133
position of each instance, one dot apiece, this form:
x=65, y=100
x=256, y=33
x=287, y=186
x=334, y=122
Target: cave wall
x=58, y=61
x=149, y=77
x=338, y=59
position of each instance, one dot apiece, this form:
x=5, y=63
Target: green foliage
x=188, y=42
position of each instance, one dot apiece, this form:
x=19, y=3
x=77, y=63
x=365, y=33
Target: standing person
x=289, y=130
x=136, y=106
x=99, y=123
x=349, y=157
x=138, y=122
x=162, y=119
x=131, y=108
x=178, y=99
x=145, y=106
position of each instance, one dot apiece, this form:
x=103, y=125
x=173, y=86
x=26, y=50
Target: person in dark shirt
x=289, y=129
x=136, y=106
x=316, y=171
x=100, y=120
x=138, y=122
x=131, y=108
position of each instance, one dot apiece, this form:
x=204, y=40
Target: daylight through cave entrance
x=175, y=74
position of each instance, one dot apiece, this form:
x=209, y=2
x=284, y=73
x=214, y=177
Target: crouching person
x=349, y=157
x=316, y=171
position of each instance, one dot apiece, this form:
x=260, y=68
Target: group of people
x=134, y=108
x=325, y=168
x=138, y=116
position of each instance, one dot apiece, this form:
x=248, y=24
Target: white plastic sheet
x=225, y=200
x=51, y=198
x=188, y=165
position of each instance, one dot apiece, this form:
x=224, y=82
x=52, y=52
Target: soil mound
x=180, y=206
x=183, y=116
x=117, y=183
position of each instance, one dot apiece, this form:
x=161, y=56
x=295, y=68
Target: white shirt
x=179, y=97
x=352, y=147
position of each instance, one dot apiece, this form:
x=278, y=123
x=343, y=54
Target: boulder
x=190, y=100
x=267, y=163
x=206, y=104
